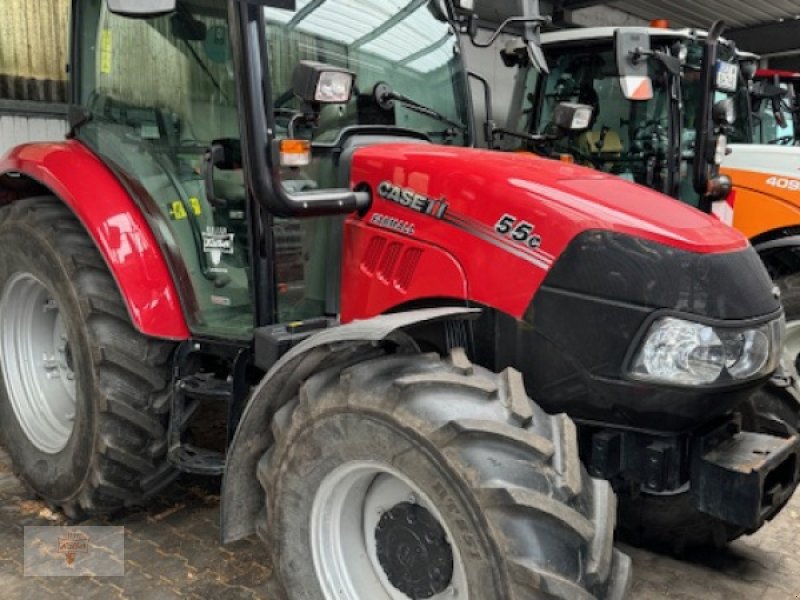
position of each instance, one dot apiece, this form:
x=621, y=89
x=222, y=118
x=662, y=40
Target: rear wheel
x=412, y=477
x=83, y=395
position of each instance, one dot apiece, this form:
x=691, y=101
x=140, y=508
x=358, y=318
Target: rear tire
x=506, y=510
x=86, y=429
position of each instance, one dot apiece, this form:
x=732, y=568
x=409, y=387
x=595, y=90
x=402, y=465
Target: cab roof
x=607, y=33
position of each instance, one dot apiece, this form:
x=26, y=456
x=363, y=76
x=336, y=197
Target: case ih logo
x=411, y=199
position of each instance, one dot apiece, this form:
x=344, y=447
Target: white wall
x=15, y=130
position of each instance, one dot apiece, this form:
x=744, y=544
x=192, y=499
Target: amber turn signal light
x=295, y=153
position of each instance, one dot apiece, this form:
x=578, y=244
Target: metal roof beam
x=407, y=10
x=576, y=4
x=304, y=13
x=426, y=50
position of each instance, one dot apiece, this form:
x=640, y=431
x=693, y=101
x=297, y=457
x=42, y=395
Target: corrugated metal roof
x=735, y=13
x=400, y=30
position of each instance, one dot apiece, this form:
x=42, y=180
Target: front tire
x=83, y=395
x=777, y=406
x=409, y=476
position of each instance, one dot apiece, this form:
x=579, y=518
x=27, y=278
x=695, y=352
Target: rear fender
x=242, y=496
x=118, y=227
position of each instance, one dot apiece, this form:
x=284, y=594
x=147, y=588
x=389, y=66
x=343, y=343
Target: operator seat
x=604, y=145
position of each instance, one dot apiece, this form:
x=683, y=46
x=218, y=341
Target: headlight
x=683, y=352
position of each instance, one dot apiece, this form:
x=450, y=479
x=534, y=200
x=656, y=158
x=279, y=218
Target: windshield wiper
x=385, y=96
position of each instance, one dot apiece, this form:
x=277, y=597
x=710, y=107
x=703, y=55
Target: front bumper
x=744, y=479
x=741, y=478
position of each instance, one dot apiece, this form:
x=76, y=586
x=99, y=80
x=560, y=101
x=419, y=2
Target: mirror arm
x=510, y=21
x=704, y=128
x=490, y=127
x=263, y=178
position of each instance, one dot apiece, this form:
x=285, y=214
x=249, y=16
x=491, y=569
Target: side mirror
x=572, y=117
x=724, y=112
x=141, y=9
x=748, y=68
x=632, y=47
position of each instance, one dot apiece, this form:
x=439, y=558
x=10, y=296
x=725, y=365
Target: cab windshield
x=406, y=45
x=629, y=139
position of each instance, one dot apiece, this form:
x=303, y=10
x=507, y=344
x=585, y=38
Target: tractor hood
x=559, y=200
x=525, y=214
x=572, y=267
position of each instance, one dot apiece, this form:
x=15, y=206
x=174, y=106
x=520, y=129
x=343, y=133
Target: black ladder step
x=206, y=387
x=191, y=459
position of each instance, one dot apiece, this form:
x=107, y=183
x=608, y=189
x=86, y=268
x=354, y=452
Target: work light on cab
x=318, y=83
x=569, y=116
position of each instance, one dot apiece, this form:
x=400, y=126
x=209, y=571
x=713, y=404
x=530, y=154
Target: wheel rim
x=375, y=535
x=791, y=351
x=36, y=361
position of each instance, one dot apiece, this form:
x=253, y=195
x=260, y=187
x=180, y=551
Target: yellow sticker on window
x=177, y=211
x=197, y=208
x=105, y=51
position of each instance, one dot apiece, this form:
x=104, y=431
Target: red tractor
x=273, y=207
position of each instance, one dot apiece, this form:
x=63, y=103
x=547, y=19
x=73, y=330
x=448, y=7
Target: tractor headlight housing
x=681, y=352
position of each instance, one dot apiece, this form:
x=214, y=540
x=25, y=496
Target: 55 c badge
x=518, y=230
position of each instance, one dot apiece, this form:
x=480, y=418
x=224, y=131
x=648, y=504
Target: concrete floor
x=171, y=552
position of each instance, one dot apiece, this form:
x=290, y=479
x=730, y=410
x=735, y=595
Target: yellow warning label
x=197, y=208
x=105, y=51
x=177, y=211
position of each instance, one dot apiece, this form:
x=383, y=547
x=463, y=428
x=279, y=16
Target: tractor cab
x=168, y=119
x=645, y=87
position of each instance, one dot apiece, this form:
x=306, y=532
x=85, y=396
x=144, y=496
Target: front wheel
x=411, y=477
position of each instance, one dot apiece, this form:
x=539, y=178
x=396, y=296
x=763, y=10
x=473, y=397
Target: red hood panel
x=561, y=199
x=504, y=218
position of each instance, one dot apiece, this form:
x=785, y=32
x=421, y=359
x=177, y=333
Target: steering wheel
x=652, y=126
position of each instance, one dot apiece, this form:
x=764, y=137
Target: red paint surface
x=770, y=73
x=559, y=199
x=117, y=226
